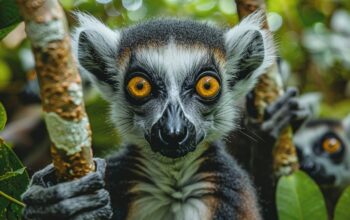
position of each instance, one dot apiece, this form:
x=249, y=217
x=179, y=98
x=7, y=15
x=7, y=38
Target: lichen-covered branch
x=60, y=85
x=268, y=89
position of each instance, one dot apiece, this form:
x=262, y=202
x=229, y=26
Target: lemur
x=174, y=87
x=323, y=145
x=324, y=153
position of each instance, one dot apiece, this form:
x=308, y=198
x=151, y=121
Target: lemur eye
x=139, y=87
x=331, y=145
x=208, y=87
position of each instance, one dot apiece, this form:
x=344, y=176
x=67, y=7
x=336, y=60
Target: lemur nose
x=174, y=129
x=174, y=135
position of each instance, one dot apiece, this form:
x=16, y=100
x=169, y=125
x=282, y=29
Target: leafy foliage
x=13, y=179
x=342, y=210
x=298, y=197
x=308, y=36
x=9, y=16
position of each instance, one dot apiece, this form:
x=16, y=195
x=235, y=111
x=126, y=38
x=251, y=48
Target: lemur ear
x=95, y=47
x=250, y=51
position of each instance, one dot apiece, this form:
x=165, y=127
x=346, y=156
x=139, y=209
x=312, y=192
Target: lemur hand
x=286, y=110
x=84, y=198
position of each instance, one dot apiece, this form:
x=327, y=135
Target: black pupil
x=139, y=85
x=207, y=85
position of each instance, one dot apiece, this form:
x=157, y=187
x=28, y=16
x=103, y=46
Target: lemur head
x=173, y=84
x=323, y=147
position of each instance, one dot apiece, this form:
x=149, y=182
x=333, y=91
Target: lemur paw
x=84, y=198
x=286, y=110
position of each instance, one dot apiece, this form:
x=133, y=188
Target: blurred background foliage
x=312, y=35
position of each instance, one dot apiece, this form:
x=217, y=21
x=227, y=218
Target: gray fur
x=78, y=199
x=305, y=140
x=171, y=48
x=161, y=31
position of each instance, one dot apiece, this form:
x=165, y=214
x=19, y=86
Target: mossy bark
x=60, y=87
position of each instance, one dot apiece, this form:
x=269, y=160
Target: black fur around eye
x=331, y=146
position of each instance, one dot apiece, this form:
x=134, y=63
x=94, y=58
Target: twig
x=11, y=199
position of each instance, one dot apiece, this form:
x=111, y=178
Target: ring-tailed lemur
x=323, y=147
x=174, y=86
x=324, y=151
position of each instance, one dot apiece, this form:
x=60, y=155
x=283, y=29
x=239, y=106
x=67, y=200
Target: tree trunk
x=60, y=86
x=268, y=160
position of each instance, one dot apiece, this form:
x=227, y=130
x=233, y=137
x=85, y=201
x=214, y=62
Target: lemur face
x=324, y=151
x=173, y=84
x=174, y=92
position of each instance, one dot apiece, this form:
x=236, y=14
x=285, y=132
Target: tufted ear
x=250, y=51
x=95, y=47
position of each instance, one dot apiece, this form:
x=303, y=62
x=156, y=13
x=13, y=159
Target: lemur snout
x=173, y=135
x=174, y=124
x=316, y=171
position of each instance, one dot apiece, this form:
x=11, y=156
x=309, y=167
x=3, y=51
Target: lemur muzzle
x=173, y=135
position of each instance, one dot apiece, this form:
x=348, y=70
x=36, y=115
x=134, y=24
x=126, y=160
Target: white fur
x=236, y=44
x=176, y=192
x=105, y=40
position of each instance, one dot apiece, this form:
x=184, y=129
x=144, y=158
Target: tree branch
x=60, y=87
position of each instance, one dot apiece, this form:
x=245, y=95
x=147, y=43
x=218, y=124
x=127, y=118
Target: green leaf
x=342, y=209
x=299, y=198
x=3, y=117
x=9, y=13
x=9, y=17
x=13, y=182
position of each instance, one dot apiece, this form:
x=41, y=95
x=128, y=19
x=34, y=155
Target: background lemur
x=323, y=146
x=324, y=153
x=174, y=88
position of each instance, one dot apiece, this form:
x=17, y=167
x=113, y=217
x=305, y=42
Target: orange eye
x=208, y=87
x=331, y=145
x=139, y=87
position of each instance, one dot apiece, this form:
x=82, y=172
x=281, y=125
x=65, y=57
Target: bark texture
x=60, y=87
x=268, y=89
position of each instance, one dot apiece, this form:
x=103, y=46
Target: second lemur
x=174, y=87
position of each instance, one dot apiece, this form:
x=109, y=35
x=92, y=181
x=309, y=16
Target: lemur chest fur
x=177, y=190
